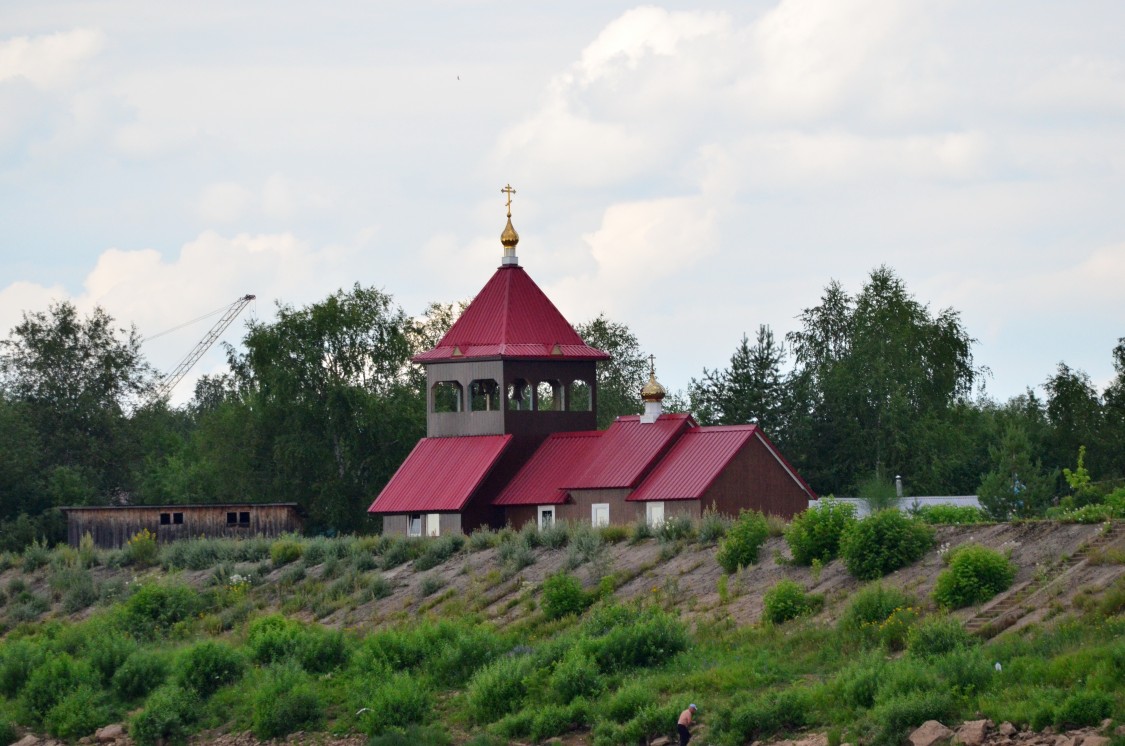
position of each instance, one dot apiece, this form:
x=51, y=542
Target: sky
x=691, y=170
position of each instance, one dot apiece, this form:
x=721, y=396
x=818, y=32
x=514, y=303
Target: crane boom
x=164, y=388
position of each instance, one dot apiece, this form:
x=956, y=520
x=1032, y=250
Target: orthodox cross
x=509, y=191
x=652, y=365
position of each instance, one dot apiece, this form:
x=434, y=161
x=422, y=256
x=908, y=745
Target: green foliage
x=627, y=701
x=285, y=550
x=676, y=528
x=167, y=717
x=623, y=375
x=1084, y=708
x=1017, y=486
x=423, y=735
x=787, y=600
x=938, y=636
x=156, y=608
x=975, y=574
x=51, y=682
x=712, y=527
x=586, y=545
x=497, y=689
x=78, y=714
x=576, y=675
x=8, y=733
x=287, y=701
x=141, y=549
x=438, y=551
x=871, y=606
x=275, y=639
x=401, y=700
x=898, y=715
x=555, y=535
x=563, y=595
x=744, y=538
x=18, y=658
x=950, y=515
x=883, y=543
x=878, y=492
x=206, y=667
x=649, y=640
x=764, y=716
x=139, y=674
x=815, y=533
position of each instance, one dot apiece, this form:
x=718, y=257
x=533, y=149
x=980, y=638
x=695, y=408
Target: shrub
x=675, y=528
x=106, y=651
x=497, y=689
x=628, y=700
x=586, y=545
x=437, y=551
x=897, y=716
x=950, y=515
x=515, y=726
x=550, y=721
x=430, y=585
x=938, y=636
x=455, y=661
x=765, y=716
x=815, y=533
x=422, y=735
x=872, y=606
x=1084, y=708
x=401, y=700
x=483, y=538
x=35, y=555
x=650, y=722
x=285, y=550
x=743, y=541
x=274, y=639
x=787, y=600
x=78, y=714
x=140, y=673
x=18, y=658
x=141, y=549
x=286, y=702
x=515, y=555
x=563, y=595
x=712, y=527
x=576, y=675
x=155, y=608
x=882, y=543
x=399, y=551
x=8, y=733
x=641, y=530
x=613, y=533
x=75, y=585
x=207, y=667
x=647, y=642
x=167, y=717
x=975, y=574
x=555, y=535
x=51, y=682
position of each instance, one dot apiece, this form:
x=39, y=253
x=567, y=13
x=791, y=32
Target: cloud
x=224, y=202
x=49, y=61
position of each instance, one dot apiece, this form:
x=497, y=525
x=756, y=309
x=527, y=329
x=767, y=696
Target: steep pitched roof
x=440, y=474
x=627, y=450
x=511, y=318
x=694, y=463
x=553, y=464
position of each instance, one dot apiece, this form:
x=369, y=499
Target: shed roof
x=554, y=463
x=627, y=450
x=511, y=318
x=694, y=463
x=440, y=474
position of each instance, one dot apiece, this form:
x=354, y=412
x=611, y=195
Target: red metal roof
x=554, y=463
x=694, y=463
x=440, y=474
x=511, y=318
x=627, y=450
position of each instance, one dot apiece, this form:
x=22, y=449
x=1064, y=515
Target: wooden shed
x=112, y=526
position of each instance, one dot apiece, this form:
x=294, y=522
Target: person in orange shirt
x=684, y=722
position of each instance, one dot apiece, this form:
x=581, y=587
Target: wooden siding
x=580, y=506
x=396, y=524
x=112, y=527
x=754, y=480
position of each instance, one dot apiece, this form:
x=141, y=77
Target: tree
x=1017, y=486
x=751, y=390
x=75, y=380
x=1114, y=414
x=1074, y=412
x=620, y=378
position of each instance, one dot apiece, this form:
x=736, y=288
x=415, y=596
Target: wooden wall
x=754, y=480
x=580, y=507
x=112, y=527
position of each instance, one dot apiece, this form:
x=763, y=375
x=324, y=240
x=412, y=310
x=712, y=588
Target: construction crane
x=164, y=388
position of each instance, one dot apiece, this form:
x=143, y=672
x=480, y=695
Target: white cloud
x=224, y=202
x=51, y=60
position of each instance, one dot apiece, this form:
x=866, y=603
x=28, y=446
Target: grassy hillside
x=525, y=635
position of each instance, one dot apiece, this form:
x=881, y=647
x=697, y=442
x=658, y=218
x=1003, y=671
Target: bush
x=883, y=543
x=712, y=527
x=563, y=595
x=675, y=528
x=550, y=721
x=18, y=658
x=483, y=538
x=765, y=716
x=78, y=714
x=167, y=717
x=743, y=541
x=154, y=609
x=627, y=701
x=401, y=700
x=497, y=689
x=107, y=650
x=36, y=555
x=275, y=639
x=555, y=535
x=787, y=600
x=950, y=515
x=285, y=550
x=872, y=606
x=586, y=545
x=1084, y=708
x=422, y=735
x=641, y=530
x=613, y=533
x=53, y=681
x=647, y=642
x=515, y=555
x=285, y=703
x=437, y=551
x=975, y=574
x=897, y=716
x=576, y=675
x=8, y=733
x=815, y=533
x=399, y=551
x=207, y=667
x=141, y=549
x=140, y=673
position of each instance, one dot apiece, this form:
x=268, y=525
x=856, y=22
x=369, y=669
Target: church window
x=519, y=395
x=447, y=396
x=579, y=399
x=599, y=514
x=484, y=395
x=549, y=396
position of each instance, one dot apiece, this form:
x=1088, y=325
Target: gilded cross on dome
x=509, y=238
x=508, y=189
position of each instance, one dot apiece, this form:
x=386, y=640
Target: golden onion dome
x=509, y=238
x=653, y=391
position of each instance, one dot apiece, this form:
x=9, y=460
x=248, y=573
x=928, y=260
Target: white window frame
x=545, y=509
x=410, y=530
x=651, y=510
x=433, y=524
x=594, y=514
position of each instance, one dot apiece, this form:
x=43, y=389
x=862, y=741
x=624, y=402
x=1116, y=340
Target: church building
x=510, y=433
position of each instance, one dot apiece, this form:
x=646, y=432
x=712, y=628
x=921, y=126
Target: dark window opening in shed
x=244, y=518
x=232, y=519
x=178, y=518
x=165, y=519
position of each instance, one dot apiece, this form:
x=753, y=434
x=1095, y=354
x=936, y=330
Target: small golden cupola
x=509, y=238
x=652, y=394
